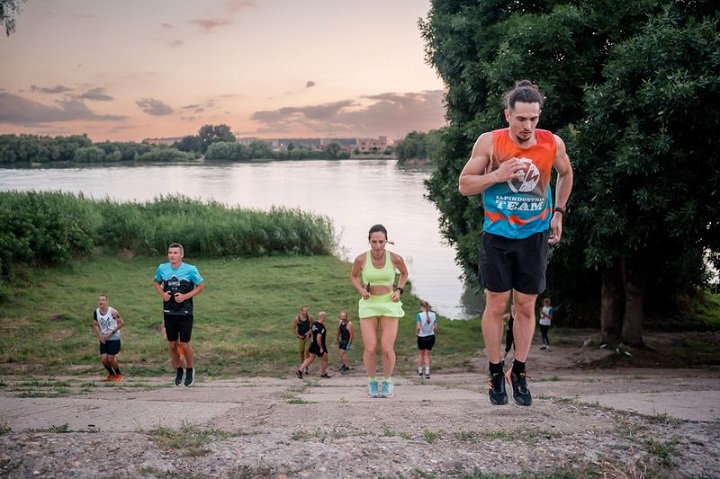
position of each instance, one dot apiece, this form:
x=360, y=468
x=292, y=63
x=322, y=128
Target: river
x=354, y=194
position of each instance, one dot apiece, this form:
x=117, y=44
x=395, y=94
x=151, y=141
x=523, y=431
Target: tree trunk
x=611, y=305
x=634, y=279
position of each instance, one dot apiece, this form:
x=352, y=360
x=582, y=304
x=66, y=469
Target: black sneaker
x=299, y=374
x=496, y=388
x=520, y=393
x=427, y=375
x=179, y=376
x=307, y=371
x=189, y=380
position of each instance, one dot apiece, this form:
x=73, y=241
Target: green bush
x=45, y=229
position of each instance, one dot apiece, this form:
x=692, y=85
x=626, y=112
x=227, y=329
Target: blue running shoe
x=387, y=389
x=373, y=388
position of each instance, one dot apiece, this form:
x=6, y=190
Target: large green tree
x=209, y=134
x=481, y=48
x=8, y=10
x=649, y=168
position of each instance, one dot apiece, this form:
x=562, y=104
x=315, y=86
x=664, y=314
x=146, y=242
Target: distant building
x=305, y=143
x=163, y=141
x=378, y=144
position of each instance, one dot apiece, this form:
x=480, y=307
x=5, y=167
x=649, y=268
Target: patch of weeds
x=555, y=399
x=468, y=436
x=63, y=428
x=5, y=429
x=299, y=436
x=405, y=436
x=629, y=430
x=664, y=418
x=530, y=435
x=297, y=400
x=430, y=436
x=2, y=384
x=665, y=451
x=87, y=387
x=42, y=389
x=534, y=435
x=416, y=473
x=33, y=393
x=249, y=472
x=190, y=438
x=387, y=432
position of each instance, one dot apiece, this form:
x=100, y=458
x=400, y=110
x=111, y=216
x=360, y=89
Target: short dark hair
x=524, y=91
x=377, y=228
x=177, y=245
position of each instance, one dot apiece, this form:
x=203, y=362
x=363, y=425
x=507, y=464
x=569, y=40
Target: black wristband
x=560, y=210
x=400, y=289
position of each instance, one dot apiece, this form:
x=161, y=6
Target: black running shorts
x=518, y=264
x=178, y=327
x=111, y=348
x=426, y=342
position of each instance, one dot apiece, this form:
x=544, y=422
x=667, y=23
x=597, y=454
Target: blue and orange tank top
x=520, y=207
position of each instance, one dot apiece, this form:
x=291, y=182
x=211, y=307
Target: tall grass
x=50, y=228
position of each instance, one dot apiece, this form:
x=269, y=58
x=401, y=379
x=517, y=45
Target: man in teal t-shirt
x=177, y=283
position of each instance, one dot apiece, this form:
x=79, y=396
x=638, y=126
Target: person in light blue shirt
x=177, y=283
x=425, y=330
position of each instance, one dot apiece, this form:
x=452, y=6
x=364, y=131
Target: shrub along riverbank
x=50, y=228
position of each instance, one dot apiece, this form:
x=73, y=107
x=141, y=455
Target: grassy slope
x=242, y=324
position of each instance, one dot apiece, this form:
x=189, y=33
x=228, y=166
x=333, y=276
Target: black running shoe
x=189, y=379
x=496, y=388
x=520, y=392
x=299, y=374
x=179, y=376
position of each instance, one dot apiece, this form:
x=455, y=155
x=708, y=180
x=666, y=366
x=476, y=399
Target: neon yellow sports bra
x=378, y=276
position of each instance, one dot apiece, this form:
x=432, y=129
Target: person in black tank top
x=345, y=335
x=301, y=327
x=317, y=347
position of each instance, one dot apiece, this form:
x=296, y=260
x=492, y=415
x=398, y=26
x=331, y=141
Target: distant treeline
x=80, y=149
x=50, y=228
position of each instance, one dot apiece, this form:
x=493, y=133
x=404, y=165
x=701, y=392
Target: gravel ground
x=612, y=424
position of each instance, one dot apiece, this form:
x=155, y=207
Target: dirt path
x=626, y=423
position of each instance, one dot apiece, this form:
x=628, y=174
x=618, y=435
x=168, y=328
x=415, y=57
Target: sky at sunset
x=134, y=69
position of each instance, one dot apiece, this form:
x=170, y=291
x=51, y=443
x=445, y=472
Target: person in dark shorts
x=546, y=316
x=301, y=327
x=318, y=348
x=425, y=331
x=512, y=167
x=509, y=320
x=178, y=283
x=345, y=336
x=106, y=325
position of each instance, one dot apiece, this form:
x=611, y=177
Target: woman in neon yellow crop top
x=373, y=276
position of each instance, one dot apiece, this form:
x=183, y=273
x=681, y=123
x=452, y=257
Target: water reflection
x=354, y=194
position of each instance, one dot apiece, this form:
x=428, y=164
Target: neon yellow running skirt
x=380, y=305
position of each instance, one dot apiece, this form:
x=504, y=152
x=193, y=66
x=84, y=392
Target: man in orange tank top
x=511, y=168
